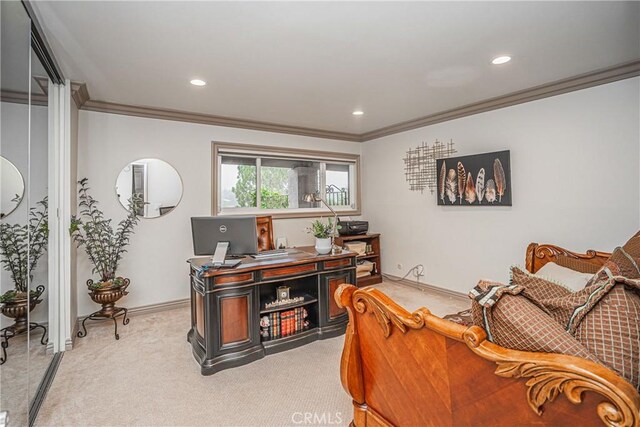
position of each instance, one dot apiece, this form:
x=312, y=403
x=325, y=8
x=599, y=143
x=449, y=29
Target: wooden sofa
x=416, y=369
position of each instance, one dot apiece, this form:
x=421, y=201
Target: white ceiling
x=311, y=64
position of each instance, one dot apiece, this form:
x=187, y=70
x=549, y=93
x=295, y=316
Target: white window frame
x=223, y=148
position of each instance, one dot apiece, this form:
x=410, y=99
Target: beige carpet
x=149, y=378
x=21, y=374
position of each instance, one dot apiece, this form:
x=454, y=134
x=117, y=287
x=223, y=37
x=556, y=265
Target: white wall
x=159, y=248
x=575, y=179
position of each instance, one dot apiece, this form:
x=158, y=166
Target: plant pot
x=108, y=294
x=17, y=309
x=323, y=246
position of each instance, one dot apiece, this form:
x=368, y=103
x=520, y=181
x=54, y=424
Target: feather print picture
x=476, y=180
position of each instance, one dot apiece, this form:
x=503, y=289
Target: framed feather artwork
x=476, y=180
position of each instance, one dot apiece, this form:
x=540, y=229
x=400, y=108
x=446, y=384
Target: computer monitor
x=239, y=231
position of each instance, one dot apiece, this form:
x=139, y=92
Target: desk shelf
x=308, y=299
x=276, y=345
x=372, y=239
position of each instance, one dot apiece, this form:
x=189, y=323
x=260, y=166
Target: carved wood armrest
x=539, y=254
x=553, y=374
x=549, y=375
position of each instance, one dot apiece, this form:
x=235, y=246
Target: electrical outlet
x=399, y=266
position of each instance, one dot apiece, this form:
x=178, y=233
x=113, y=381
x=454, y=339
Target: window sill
x=290, y=215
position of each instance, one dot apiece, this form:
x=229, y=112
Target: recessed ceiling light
x=198, y=82
x=501, y=60
x=358, y=113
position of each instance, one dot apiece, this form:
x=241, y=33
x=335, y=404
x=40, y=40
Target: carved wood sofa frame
x=416, y=369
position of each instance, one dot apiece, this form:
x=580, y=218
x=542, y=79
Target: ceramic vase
x=323, y=246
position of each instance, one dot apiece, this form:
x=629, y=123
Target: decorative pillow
x=624, y=261
x=604, y=316
x=610, y=326
x=513, y=320
x=572, y=279
x=576, y=264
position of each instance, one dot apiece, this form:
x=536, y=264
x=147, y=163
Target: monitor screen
x=239, y=231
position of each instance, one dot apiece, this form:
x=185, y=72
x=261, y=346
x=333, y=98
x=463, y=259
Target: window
x=264, y=180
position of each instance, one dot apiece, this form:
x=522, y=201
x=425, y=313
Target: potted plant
x=104, y=246
x=21, y=246
x=323, y=234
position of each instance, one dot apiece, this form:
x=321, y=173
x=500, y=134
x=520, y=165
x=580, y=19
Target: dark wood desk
x=226, y=305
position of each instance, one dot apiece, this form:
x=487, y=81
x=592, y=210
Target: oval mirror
x=12, y=187
x=155, y=181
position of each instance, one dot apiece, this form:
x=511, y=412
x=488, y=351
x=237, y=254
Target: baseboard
x=161, y=306
x=147, y=309
x=70, y=342
x=425, y=286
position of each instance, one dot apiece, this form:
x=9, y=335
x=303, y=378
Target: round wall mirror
x=12, y=187
x=155, y=181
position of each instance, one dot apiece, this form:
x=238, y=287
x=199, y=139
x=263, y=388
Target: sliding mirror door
x=15, y=41
x=39, y=355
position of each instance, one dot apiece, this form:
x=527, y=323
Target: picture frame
x=475, y=180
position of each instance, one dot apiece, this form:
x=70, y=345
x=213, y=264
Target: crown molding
x=207, y=119
x=79, y=93
x=583, y=81
x=15, y=97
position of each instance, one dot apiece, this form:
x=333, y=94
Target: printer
x=353, y=228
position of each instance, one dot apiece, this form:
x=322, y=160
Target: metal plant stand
x=18, y=310
x=101, y=315
x=107, y=296
x=11, y=331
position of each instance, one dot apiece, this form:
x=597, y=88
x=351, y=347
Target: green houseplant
x=323, y=234
x=21, y=246
x=104, y=245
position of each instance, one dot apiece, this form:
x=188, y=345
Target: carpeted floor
x=149, y=377
x=21, y=374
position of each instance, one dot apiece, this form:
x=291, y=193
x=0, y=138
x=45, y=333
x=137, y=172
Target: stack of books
x=284, y=323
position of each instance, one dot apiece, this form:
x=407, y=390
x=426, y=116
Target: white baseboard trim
x=161, y=306
x=70, y=342
x=425, y=286
x=147, y=309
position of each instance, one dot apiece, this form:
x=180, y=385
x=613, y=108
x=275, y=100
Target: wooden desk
x=226, y=305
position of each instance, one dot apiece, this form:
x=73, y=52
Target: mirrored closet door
x=14, y=209
x=25, y=288
x=40, y=349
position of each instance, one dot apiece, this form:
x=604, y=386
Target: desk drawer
x=234, y=279
x=293, y=270
x=338, y=263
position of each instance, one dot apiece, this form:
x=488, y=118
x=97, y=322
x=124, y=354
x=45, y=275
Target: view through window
x=252, y=183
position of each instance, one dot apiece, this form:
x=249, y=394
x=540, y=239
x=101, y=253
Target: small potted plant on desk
x=21, y=246
x=324, y=234
x=104, y=247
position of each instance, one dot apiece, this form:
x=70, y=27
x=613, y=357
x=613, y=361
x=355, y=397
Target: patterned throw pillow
x=610, y=327
x=513, y=320
x=624, y=261
x=555, y=299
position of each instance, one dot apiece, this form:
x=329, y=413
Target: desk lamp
x=314, y=198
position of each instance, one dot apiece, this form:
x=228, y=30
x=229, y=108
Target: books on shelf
x=280, y=324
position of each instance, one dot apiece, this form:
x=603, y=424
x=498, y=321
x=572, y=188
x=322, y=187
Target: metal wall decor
x=420, y=164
